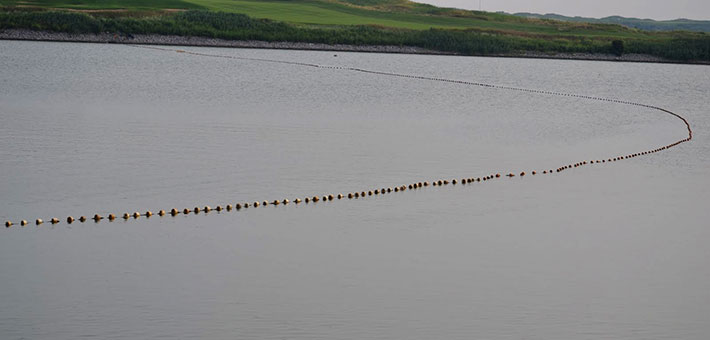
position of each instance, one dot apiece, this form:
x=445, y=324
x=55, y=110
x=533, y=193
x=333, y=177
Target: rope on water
x=400, y=188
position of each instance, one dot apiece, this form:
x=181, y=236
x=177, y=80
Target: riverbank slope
x=371, y=29
x=174, y=40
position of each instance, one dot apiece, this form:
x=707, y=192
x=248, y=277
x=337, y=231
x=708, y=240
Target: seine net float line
x=384, y=190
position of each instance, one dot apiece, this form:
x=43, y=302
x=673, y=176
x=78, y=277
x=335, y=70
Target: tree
x=617, y=47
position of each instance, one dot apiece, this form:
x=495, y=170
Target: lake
x=607, y=251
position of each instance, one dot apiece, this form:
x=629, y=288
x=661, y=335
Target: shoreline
x=155, y=39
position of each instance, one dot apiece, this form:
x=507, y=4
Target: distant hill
x=644, y=24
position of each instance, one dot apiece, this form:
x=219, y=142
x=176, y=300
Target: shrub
x=617, y=47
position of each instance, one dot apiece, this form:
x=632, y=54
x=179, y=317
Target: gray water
x=615, y=251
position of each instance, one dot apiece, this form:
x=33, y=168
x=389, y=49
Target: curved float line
x=444, y=80
x=173, y=212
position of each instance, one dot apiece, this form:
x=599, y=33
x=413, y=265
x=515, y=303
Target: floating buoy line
x=96, y=218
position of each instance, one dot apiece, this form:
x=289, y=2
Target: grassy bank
x=385, y=13
x=355, y=22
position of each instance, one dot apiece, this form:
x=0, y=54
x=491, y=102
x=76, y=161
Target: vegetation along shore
x=395, y=26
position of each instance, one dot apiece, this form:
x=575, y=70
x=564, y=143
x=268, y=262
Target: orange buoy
x=161, y=213
x=39, y=221
x=148, y=213
x=54, y=220
x=111, y=217
x=82, y=219
x=23, y=223
x=97, y=218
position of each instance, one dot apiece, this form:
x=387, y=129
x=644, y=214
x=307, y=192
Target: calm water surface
x=606, y=252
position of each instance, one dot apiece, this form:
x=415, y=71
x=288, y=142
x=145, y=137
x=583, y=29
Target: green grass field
x=385, y=13
x=398, y=22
